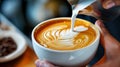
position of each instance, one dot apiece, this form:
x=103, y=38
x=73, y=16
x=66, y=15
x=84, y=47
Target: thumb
x=106, y=39
x=110, y=44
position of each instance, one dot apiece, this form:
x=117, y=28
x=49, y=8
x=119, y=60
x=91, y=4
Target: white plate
x=19, y=40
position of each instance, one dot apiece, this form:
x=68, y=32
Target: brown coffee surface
x=56, y=34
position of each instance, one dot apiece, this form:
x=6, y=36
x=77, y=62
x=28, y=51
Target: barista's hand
x=111, y=57
x=110, y=3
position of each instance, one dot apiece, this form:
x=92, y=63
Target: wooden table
x=27, y=59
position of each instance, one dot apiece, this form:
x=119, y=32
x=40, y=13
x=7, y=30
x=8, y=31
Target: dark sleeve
x=114, y=27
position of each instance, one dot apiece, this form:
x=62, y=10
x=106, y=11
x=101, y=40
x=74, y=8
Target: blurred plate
x=20, y=42
x=20, y=39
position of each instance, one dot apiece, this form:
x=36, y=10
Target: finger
x=103, y=31
x=108, y=3
x=108, y=41
x=37, y=63
x=43, y=64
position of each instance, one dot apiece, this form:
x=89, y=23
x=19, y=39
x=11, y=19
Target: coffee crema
x=56, y=34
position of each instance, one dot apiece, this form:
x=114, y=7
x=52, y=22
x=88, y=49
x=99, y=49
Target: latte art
x=61, y=35
x=57, y=35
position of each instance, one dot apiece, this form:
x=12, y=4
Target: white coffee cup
x=68, y=58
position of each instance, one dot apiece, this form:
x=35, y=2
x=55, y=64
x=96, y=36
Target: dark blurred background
x=25, y=14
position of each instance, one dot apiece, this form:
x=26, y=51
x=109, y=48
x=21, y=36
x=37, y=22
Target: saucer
x=20, y=42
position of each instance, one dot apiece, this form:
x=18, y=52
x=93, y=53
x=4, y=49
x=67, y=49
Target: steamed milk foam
x=57, y=34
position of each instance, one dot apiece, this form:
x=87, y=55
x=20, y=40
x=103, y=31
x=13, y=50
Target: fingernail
x=110, y=4
x=44, y=64
x=37, y=61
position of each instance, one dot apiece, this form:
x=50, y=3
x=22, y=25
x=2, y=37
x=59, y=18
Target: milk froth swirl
x=57, y=35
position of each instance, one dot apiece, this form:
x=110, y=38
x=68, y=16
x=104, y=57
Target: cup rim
x=53, y=50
